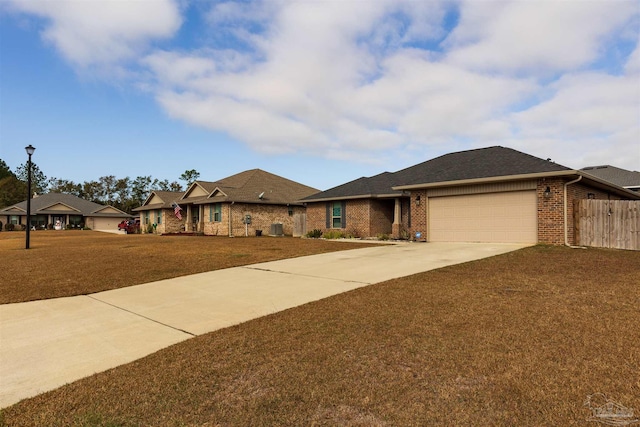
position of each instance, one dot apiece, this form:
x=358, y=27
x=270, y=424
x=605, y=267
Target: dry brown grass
x=519, y=339
x=67, y=263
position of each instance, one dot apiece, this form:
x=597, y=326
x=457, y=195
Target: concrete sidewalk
x=46, y=344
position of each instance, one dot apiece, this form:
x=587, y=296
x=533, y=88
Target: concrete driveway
x=46, y=344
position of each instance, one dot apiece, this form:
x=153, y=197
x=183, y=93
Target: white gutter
x=566, y=228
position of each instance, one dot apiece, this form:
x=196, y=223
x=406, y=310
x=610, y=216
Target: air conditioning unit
x=276, y=230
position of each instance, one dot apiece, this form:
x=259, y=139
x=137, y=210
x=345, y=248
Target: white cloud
x=89, y=33
x=535, y=36
x=365, y=80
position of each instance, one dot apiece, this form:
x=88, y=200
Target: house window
x=336, y=215
x=75, y=221
x=39, y=221
x=215, y=212
x=146, y=217
x=14, y=219
x=158, y=217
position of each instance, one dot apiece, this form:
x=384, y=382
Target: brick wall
x=551, y=209
x=365, y=217
x=262, y=216
x=316, y=216
x=381, y=216
x=418, y=214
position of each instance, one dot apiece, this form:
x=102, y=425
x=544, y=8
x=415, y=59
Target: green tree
x=12, y=191
x=190, y=176
x=91, y=190
x=175, y=186
x=123, y=190
x=57, y=185
x=4, y=170
x=38, y=179
x=107, y=189
x=140, y=188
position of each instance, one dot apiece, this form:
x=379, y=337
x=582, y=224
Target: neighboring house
x=622, y=177
x=493, y=194
x=247, y=203
x=158, y=209
x=58, y=210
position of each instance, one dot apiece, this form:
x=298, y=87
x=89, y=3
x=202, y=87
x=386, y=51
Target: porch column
x=188, y=225
x=397, y=219
x=201, y=218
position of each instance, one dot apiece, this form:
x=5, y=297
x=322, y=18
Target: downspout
x=230, y=221
x=566, y=228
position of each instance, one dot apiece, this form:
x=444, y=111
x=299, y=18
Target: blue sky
x=321, y=92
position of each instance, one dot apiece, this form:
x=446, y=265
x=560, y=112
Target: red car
x=131, y=226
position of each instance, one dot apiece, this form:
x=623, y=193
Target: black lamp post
x=30, y=149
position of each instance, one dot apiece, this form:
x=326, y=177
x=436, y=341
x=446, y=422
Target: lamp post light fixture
x=30, y=149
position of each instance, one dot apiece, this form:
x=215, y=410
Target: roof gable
x=58, y=207
x=162, y=198
x=14, y=209
x=109, y=210
x=196, y=190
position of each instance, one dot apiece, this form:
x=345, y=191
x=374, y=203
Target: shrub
x=49, y=226
x=333, y=234
x=383, y=236
x=0, y=225
x=314, y=234
x=150, y=228
x=22, y=227
x=353, y=233
x=9, y=227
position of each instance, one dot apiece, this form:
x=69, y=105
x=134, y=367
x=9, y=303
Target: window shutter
x=328, y=215
x=344, y=214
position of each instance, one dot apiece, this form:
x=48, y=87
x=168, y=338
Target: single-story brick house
x=493, y=194
x=60, y=211
x=158, y=209
x=243, y=204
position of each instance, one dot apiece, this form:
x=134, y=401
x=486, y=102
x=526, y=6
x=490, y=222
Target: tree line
x=125, y=193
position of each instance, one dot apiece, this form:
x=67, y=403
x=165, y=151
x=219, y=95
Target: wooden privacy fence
x=299, y=224
x=608, y=223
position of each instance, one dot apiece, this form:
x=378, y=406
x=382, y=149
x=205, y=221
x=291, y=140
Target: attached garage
x=108, y=224
x=504, y=217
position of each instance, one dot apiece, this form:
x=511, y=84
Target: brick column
x=396, y=228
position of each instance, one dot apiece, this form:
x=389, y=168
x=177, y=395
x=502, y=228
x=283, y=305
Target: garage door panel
x=509, y=217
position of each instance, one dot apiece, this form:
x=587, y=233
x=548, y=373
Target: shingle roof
x=43, y=203
x=375, y=186
x=472, y=164
x=618, y=176
x=247, y=187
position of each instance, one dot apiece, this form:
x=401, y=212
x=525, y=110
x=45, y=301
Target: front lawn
x=68, y=263
x=518, y=339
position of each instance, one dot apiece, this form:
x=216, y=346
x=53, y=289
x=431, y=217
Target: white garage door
x=509, y=217
x=110, y=224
